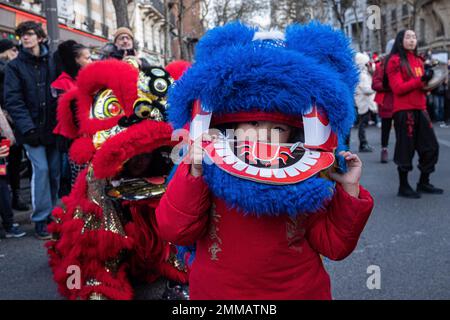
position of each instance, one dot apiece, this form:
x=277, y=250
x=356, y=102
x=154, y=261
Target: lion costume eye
x=112, y=108
x=159, y=86
x=157, y=72
x=143, y=109
x=105, y=105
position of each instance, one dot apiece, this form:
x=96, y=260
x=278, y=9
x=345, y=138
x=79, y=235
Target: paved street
x=408, y=239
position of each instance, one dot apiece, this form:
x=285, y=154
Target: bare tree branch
x=121, y=9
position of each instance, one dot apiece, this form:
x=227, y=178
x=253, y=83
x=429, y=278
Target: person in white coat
x=364, y=100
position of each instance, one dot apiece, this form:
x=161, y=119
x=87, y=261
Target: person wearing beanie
x=123, y=38
x=256, y=194
x=364, y=100
x=123, y=46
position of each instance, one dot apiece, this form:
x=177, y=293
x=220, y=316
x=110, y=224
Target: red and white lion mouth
x=268, y=163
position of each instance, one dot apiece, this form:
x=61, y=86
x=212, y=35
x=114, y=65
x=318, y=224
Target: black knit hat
x=6, y=44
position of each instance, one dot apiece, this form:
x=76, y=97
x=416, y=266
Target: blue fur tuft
x=232, y=73
x=263, y=199
x=327, y=45
x=182, y=251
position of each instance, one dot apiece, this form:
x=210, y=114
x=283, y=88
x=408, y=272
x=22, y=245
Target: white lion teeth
x=224, y=153
x=240, y=165
x=309, y=161
x=252, y=170
x=229, y=159
x=115, y=183
x=299, y=165
x=291, y=171
x=266, y=173
x=279, y=173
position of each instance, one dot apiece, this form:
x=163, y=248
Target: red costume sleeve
x=334, y=232
x=398, y=85
x=182, y=214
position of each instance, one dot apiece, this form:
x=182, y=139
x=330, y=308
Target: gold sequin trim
x=173, y=260
x=93, y=282
x=110, y=220
x=214, y=249
x=97, y=296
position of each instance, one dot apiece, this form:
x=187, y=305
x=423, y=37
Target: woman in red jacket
x=385, y=99
x=71, y=57
x=413, y=128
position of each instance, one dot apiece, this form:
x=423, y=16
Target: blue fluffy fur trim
x=232, y=73
x=263, y=199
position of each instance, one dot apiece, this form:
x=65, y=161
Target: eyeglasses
x=29, y=33
x=124, y=37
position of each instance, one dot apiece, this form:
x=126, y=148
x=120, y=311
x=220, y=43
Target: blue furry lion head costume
x=239, y=68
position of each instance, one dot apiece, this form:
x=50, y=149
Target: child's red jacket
x=248, y=257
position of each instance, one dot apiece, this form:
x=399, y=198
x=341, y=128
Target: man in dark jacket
x=30, y=103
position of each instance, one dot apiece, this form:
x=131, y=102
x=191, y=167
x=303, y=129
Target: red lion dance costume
x=106, y=226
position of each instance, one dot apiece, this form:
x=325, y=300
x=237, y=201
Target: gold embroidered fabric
x=214, y=249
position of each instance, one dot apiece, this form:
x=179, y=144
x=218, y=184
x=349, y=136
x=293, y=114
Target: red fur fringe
x=90, y=249
x=64, y=115
x=82, y=150
x=147, y=258
x=137, y=139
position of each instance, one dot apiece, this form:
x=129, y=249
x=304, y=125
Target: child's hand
x=350, y=179
x=196, y=154
x=4, y=151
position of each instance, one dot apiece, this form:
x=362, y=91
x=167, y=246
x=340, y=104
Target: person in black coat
x=32, y=106
x=8, y=52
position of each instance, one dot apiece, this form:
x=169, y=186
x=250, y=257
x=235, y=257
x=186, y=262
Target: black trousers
x=363, y=123
x=386, y=124
x=14, y=161
x=414, y=132
x=5, y=204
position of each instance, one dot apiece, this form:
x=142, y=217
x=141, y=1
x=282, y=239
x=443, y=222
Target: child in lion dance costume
x=264, y=204
x=106, y=227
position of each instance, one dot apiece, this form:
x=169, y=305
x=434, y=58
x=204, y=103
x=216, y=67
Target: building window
x=393, y=15
x=422, y=32
x=105, y=29
x=90, y=23
x=439, y=25
x=405, y=10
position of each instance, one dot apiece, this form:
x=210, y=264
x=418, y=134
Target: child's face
x=263, y=131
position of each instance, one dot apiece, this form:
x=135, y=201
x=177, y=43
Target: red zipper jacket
x=408, y=91
x=247, y=257
x=384, y=96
